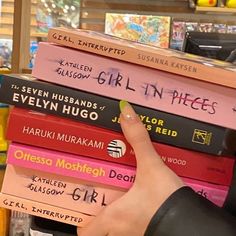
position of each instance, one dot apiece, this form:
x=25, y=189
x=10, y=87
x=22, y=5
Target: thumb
x=96, y=225
x=138, y=137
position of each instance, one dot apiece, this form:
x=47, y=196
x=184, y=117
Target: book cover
x=177, y=35
x=150, y=88
x=44, y=210
x=231, y=29
x=205, y=27
x=220, y=28
x=147, y=29
x=215, y=193
x=5, y=53
x=59, y=191
x=94, y=171
x=38, y=129
x=65, y=164
x=26, y=92
x=159, y=58
x=191, y=26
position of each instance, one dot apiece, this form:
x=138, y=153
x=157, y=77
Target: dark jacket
x=186, y=213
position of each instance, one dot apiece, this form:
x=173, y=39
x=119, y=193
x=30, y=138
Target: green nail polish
x=122, y=105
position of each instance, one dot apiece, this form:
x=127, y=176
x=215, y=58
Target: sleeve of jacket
x=186, y=213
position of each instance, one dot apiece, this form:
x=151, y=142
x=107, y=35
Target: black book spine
x=104, y=112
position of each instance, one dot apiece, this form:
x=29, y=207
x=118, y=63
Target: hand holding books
x=155, y=182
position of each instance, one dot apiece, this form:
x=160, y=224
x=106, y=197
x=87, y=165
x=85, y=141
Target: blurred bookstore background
x=160, y=23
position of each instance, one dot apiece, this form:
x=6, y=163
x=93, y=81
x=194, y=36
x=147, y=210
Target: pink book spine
x=80, y=167
x=44, y=210
x=106, y=173
x=140, y=85
x=57, y=190
x=213, y=192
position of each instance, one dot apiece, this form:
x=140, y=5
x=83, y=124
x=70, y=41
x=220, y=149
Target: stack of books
x=68, y=158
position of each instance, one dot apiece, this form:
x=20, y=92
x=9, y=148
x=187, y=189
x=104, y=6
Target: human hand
x=154, y=183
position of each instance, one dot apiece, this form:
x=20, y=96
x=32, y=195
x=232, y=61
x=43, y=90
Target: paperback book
x=94, y=171
x=142, y=86
x=26, y=92
x=57, y=190
x=173, y=61
x=44, y=210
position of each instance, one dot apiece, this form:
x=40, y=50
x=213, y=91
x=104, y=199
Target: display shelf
x=9, y=21
x=9, y=32
x=214, y=10
x=7, y=9
x=38, y=35
x=6, y=31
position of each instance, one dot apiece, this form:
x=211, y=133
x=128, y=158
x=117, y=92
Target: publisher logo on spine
x=116, y=148
x=201, y=137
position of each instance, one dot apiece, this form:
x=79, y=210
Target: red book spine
x=66, y=135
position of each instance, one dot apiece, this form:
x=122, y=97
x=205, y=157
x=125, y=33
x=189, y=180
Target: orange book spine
x=44, y=210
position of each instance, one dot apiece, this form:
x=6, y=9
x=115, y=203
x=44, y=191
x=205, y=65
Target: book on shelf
x=177, y=62
x=27, y=92
x=177, y=35
x=42, y=130
x=80, y=167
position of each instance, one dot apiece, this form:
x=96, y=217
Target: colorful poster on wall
x=147, y=29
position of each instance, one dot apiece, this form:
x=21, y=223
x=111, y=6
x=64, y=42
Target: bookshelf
x=6, y=19
x=216, y=10
x=92, y=17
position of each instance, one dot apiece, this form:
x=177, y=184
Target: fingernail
x=127, y=111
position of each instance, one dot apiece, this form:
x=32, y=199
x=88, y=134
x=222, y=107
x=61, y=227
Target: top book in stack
x=201, y=68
